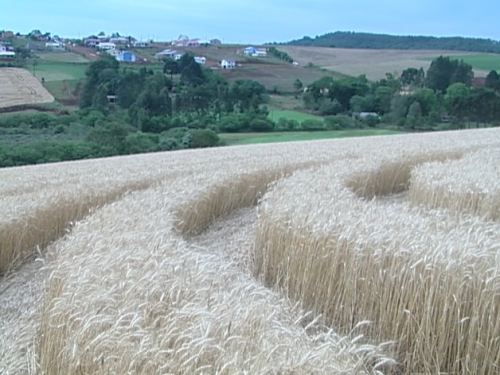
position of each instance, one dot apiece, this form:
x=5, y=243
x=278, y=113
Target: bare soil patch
x=18, y=86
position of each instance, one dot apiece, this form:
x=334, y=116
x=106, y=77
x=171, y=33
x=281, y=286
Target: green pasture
x=61, y=57
x=233, y=139
x=58, y=71
x=487, y=62
x=275, y=114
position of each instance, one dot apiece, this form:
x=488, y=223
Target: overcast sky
x=252, y=21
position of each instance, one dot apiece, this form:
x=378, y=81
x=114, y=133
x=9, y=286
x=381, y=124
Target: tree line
x=280, y=54
x=130, y=110
x=442, y=97
x=342, y=39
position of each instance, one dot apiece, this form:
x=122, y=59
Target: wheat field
x=18, y=86
x=374, y=63
x=323, y=257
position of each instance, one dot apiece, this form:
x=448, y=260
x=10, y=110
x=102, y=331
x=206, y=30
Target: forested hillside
x=342, y=39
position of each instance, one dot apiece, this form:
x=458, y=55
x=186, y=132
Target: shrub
x=330, y=108
x=203, y=138
x=312, y=125
x=261, y=125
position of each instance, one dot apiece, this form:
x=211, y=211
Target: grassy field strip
x=434, y=185
x=384, y=261
x=233, y=139
x=157, y=306
x=275, y=114
x=62, y=57
x=60, y=71
x=482, y=62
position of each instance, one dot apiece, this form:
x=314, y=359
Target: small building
x=215, y=41
x=200, y=59
x=193, y=43
x=260, y=53
x=167, y=53
x=138, y=44
x=181, y=41
x=255, y=52
x=249, y=51
x=228, y=64
x=6, y=53
x=7, y=35
x=111, y=99
x=55, y=46
x=363, y=115
x=126, y=56
x=478, y=82
x=106, y=46
x=91, y=42
x=119, y=40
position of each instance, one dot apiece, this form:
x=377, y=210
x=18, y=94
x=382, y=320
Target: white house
x=249, y=51
x=106, y=46
x=363, y=115
x=119, y=40
x=6, y=53
x=54, y=45
x=255, y=52
x=91, y=42
x=166, y=53
x=228, y=64
x=200, y=59
x=138, y=44
x=260, y=53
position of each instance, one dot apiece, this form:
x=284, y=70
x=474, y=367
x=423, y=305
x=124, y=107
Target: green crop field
x=234, y=139
x=276, y=113
x=487, y=62
x=59, y=71
x=61, y=57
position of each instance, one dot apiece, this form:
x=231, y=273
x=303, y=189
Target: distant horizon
x=153, y=37
x=253, y=21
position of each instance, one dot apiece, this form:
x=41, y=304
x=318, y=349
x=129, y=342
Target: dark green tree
x=427, y=100
x=457, y=101
x=493, y=80
x=444, y=71
x=171, y=67
x=413, y=77
x=190, y=70
x=414, y=116
x=463, y=74
x=298, y=84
